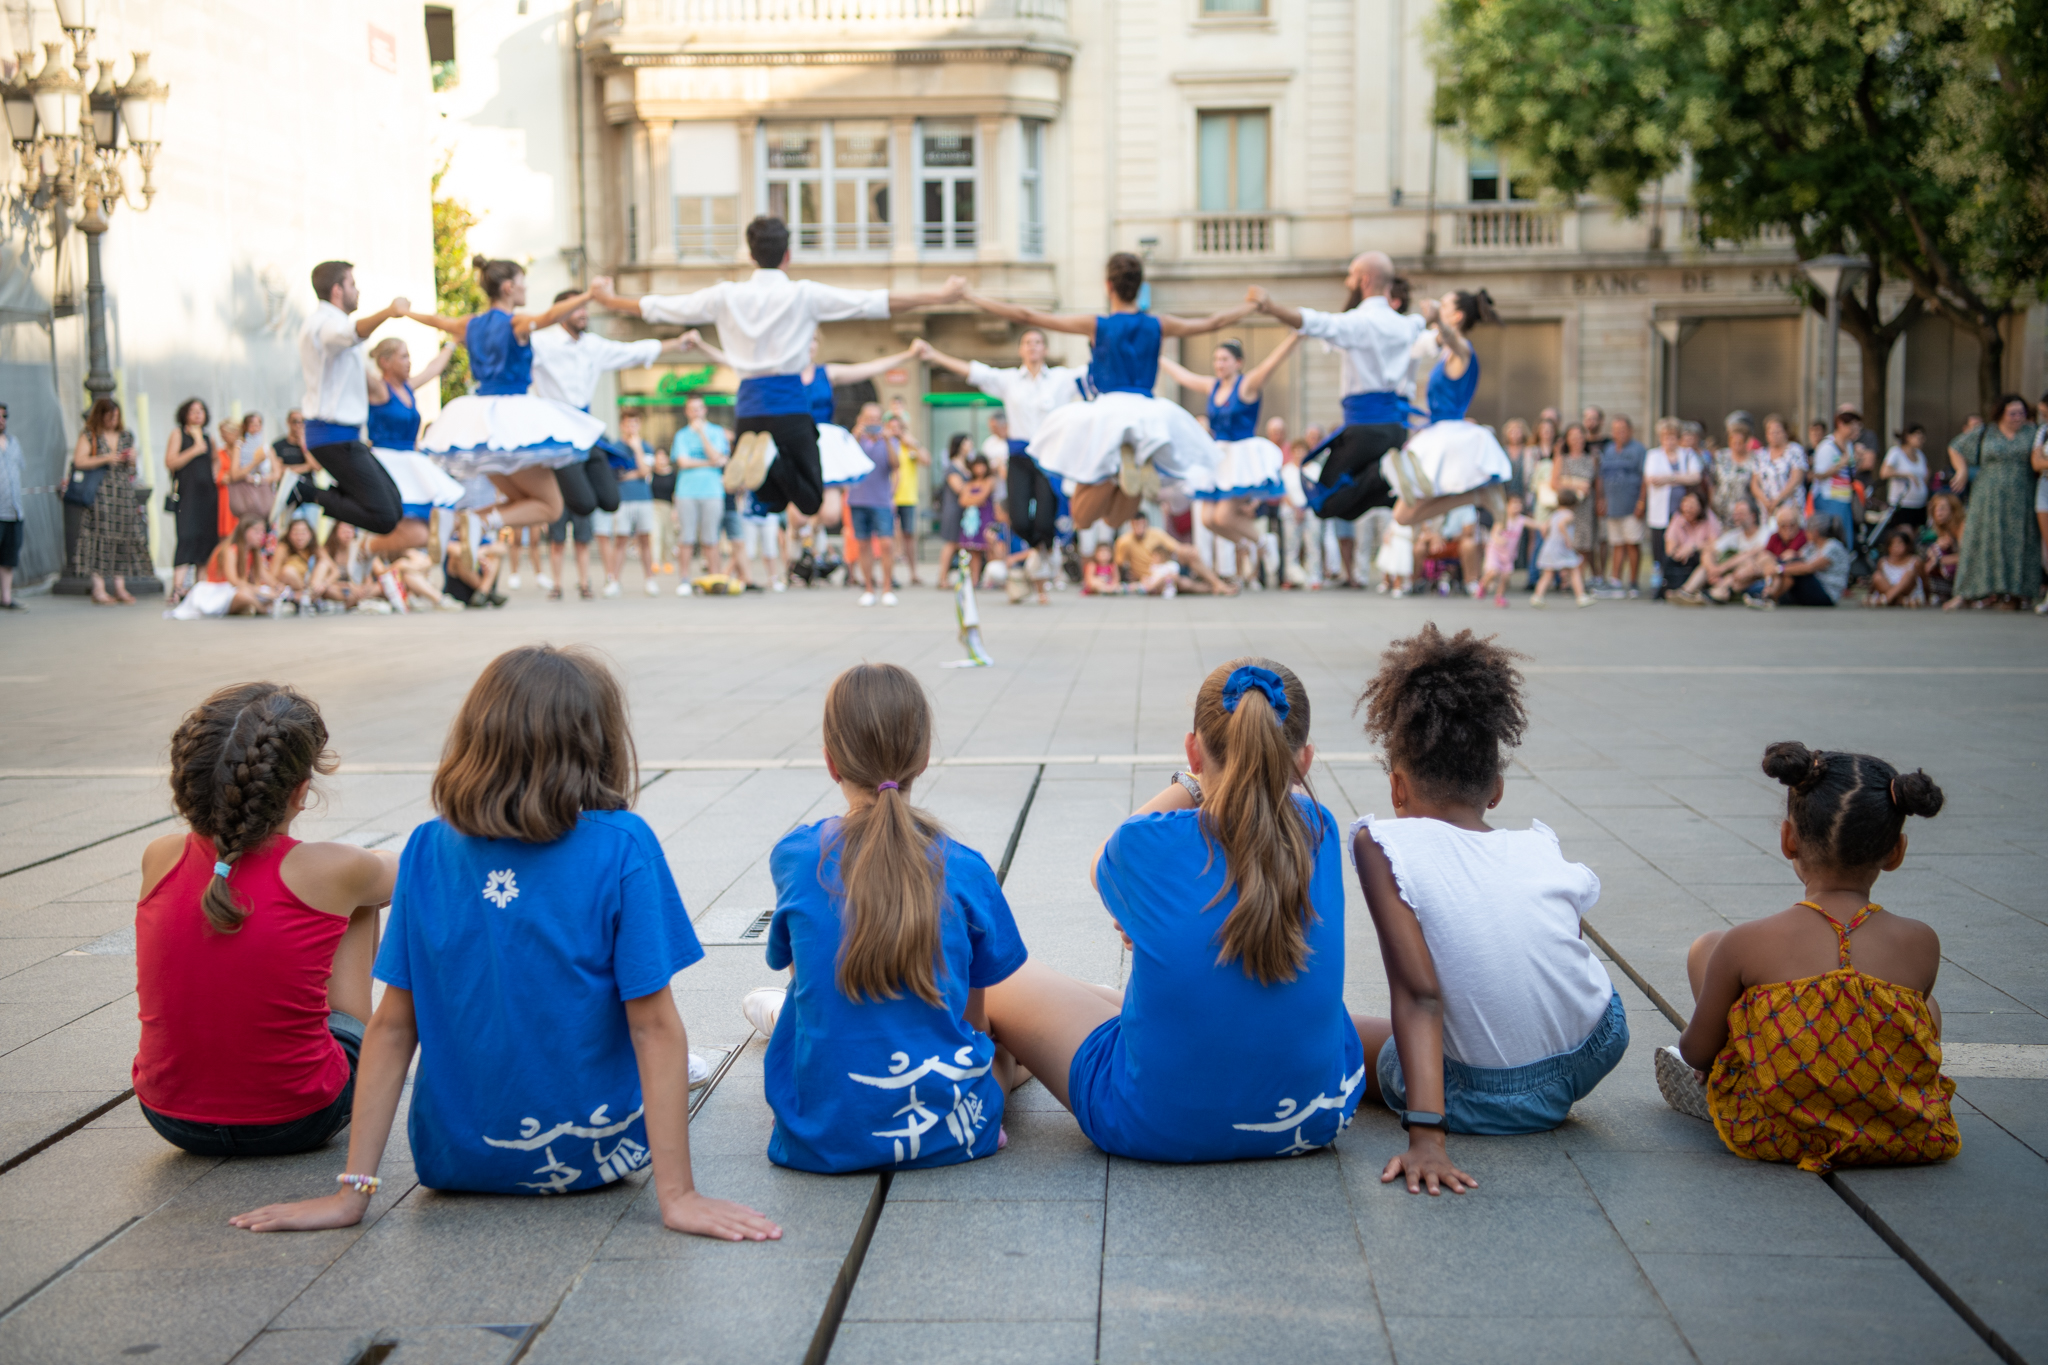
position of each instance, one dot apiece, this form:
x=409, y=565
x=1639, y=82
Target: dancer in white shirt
x=568, y=360
x=765, y=326
x=336, y=405
x=1029, y=393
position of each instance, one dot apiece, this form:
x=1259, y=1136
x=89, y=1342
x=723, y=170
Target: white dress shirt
x=1373, y=343
x=566, y=368
x=766, y=323
x=1027, y=398
x=331, y=354
x=1665, y=497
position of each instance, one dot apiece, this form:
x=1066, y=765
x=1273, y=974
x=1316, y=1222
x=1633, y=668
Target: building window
x=1031, y=236
x=1232, y=7
x=1489, y=182
x=441, y=46
x=1231, y=160
x=946, y=176
x=830, y=183
x=704, y=175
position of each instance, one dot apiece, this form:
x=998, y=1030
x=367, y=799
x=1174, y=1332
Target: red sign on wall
x=383, y=50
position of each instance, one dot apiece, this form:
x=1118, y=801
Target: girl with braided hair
x=1818, y=1024
x=1502, y=1016
x=252, y=950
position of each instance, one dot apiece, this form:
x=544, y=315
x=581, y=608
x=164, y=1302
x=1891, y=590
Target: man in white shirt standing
x=337, y=404
x=1669, y=470
x=1029, y=392
x=765, y=325
x=568, y=359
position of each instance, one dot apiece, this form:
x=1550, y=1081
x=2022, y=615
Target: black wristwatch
x=1422, y=1118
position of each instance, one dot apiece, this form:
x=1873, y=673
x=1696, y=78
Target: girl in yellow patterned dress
x=1817, y=1025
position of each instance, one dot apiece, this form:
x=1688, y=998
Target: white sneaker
x=546, y=581
x=512, y=582
x=867, y=599
x=762, y=1006
x=781, y=586
x=653, y=588
x=1678, y=1083
x=611, y=587
x=683, y=588
x=888, y=599
x=700, y=1071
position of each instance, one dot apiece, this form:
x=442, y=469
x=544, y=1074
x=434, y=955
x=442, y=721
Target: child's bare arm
x=662, y=1048
x=1707, y=1034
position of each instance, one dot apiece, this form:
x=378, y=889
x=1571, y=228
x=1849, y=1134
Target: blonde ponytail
x=1251, y=716
x=878, y=732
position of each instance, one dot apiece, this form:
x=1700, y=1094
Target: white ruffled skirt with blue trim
x=1445, y=458
x=421, y=482
x=840, y=458
x=1249, y=468
x=1084, y=441
x=504, y=433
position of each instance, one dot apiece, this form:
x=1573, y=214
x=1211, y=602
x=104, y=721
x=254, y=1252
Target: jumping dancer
x=1247, y=464
x=568, y=358
x=501, y=430
x=337, y=402
x=1028, y=394
x=394, y=430
x=765, y=325
x=1451, y=453
x=1102, y=443
x=1375, y=343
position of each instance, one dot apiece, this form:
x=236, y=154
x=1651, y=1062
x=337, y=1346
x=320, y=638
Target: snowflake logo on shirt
x=500, y=888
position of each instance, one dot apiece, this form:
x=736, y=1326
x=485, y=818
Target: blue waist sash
x=1381, y=408
x=1018, y=447
x=773, y=395
x=319, y=433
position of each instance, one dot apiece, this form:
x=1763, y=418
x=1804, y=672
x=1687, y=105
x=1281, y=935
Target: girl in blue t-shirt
x=533, y=933
x=878, y=1054
x=1231, y=1038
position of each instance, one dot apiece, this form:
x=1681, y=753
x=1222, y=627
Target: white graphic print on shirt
x=626, y=1155
x=964, y=1119
x=1289, y=1115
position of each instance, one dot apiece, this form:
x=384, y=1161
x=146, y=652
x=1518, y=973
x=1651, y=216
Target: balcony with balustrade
x=656, y=26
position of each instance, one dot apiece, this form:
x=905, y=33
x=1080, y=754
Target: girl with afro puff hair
x=1502, y=1016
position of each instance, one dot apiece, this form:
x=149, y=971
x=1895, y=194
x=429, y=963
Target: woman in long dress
x=1451, y=457
x=501, y=430
x=188, y=459
x=1104, y=444
x=112, y=543
x=1248, y=465
x=2001, y=561
x=394, y=430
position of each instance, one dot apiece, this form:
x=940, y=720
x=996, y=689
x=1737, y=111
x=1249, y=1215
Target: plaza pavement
x=1627, y=1235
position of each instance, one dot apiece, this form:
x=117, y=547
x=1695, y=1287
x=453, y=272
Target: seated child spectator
x=1152, y=561
x=1817, y=579
x=1942, y=553
x=1502, y=543
x=306, y=572
x=1231, y=1039
x=1818, y=1024
x=1896, y=580
x=1100, y=579
x=1557, y=555
x=1737, y=549
x=1687, y=540
x=252, y=950
x=534, y=931
x=1502, y=1015
x=471, y=579
x=1785, y=545
x=892, y=932
x=247, y=563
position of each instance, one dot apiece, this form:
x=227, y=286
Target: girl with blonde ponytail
x=878, y=1054
x=1231, y=1039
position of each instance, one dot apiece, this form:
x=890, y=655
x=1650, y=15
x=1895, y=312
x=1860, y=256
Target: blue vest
x=502, y=364
x=395, y=425
x=1234, y=419
x=1450, y=398
x=1126, y=354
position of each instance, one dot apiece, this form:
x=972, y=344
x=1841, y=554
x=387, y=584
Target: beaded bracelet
x=363, y=1184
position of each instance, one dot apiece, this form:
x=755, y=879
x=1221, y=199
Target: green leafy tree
x=1884, y=128
x=456, y=292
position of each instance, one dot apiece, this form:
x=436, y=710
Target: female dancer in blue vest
x=1451, y=456
x=1247, y=464
x=501, y=430
x=1102, y=443
x=394, y=431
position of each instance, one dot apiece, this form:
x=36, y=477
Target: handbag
x=247, y=500
x=82, y=489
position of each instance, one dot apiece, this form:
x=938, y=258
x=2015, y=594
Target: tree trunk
x=1990, y=364
x=1874, y=341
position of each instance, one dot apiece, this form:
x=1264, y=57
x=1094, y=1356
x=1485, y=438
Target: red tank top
x=234, y=1026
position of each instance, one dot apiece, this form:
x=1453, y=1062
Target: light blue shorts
x=1504, y=1101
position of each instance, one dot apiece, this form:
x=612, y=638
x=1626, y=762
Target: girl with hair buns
x=252, y=950
x=1230, y=1039
x=1818, y=1024
x=1103, y=444
x=878, y=1050
x=1452, y=461
x=535, y=929
x=1502, y=1016
x=501, y=430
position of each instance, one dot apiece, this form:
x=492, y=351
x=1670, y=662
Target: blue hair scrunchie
x=1250, y=678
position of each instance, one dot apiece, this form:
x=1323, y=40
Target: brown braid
x=235, y=762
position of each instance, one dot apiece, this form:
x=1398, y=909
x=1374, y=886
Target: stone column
x=995, y=191
x=661, y=202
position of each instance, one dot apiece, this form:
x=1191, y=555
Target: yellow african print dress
x=1836, y=1069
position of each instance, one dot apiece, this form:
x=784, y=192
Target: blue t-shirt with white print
x=1205, y=1063
x=519, y=957
x=857, y=1085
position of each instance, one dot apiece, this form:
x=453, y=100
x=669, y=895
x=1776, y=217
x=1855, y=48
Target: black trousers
x=1034, y=503
x=590, y=486
x=795, y=479
x=363, y=494
x=1356, y=454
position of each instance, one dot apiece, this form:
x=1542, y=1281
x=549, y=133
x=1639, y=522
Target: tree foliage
x=1908, y=131
x=456, y=292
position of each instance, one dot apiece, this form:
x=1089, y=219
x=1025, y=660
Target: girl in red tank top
x=252, y=950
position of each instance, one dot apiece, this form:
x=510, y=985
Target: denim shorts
x=1503, y=1101
x=869, y=522
x=272, y=1139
